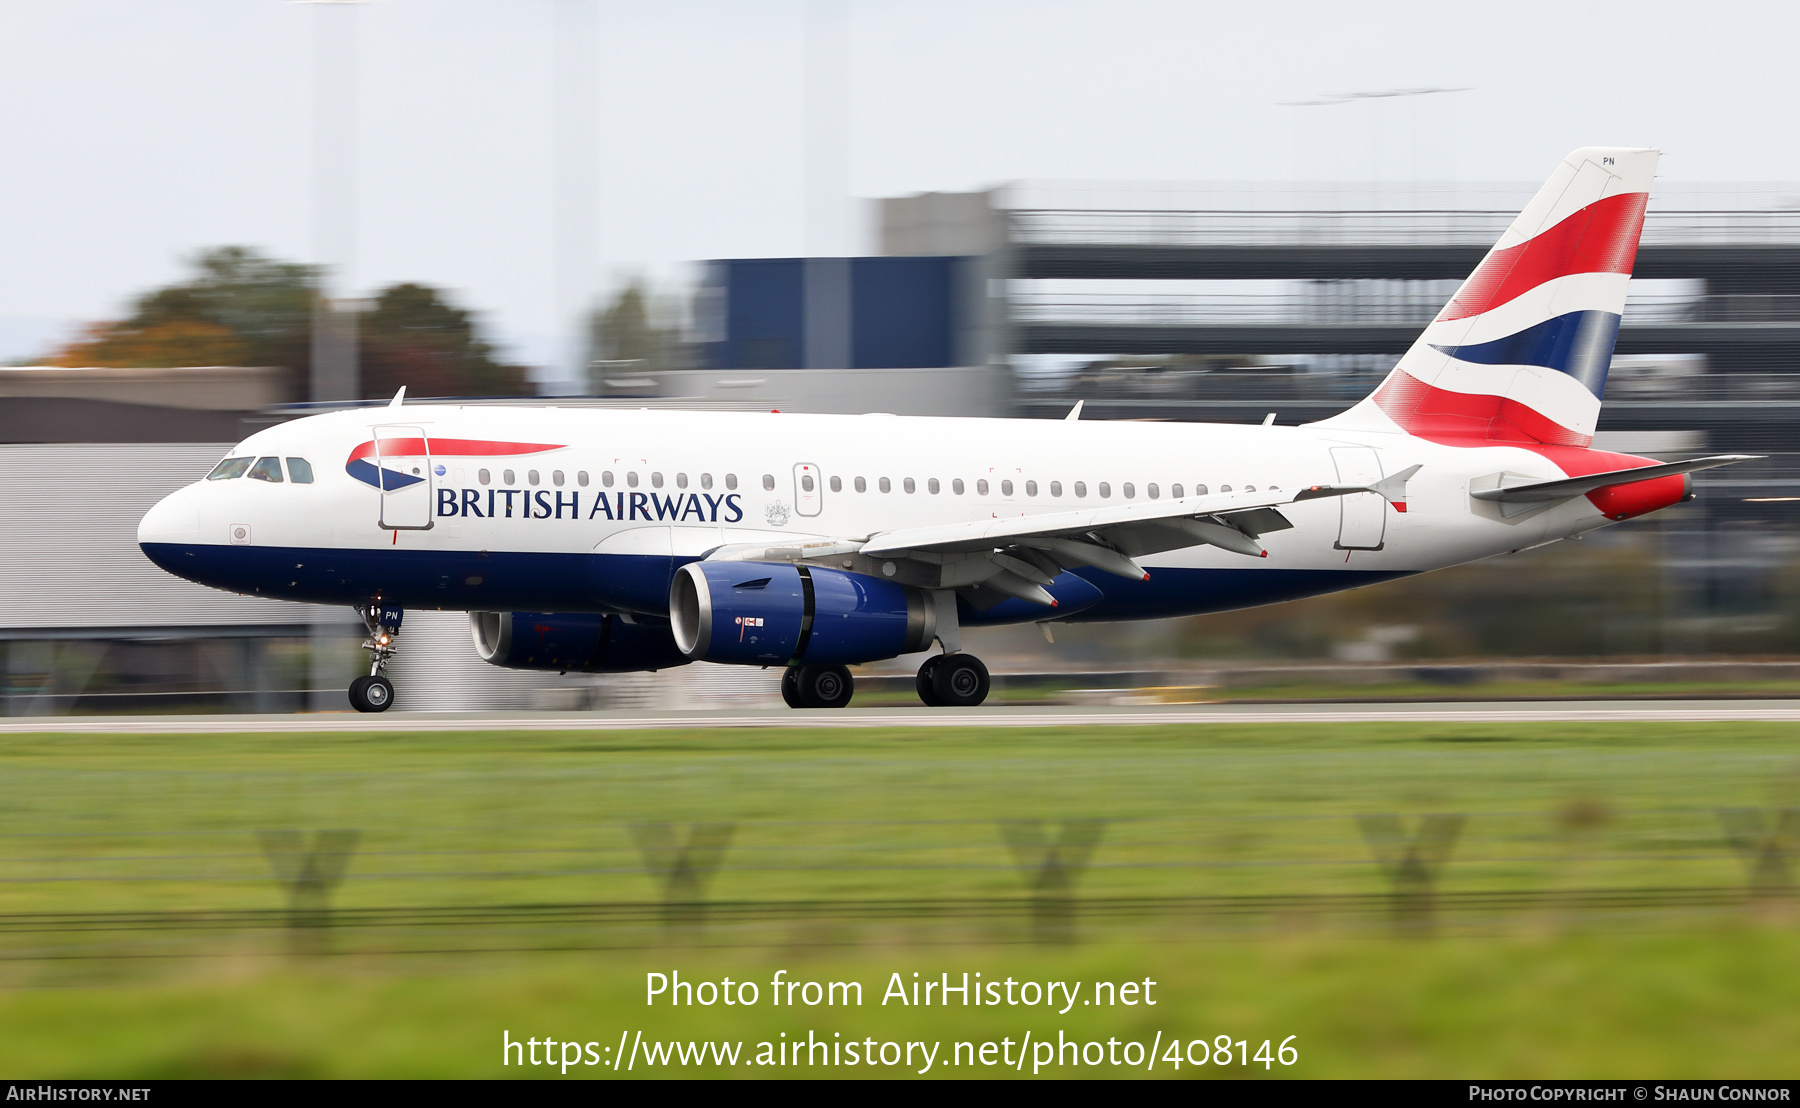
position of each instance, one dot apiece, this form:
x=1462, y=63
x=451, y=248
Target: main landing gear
x=953, y=681
x=816, y=686
x=945, y=681
x=375, y=693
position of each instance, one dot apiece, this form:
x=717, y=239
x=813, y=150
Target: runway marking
x=1665, y=711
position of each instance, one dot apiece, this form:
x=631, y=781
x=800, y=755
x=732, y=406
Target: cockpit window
x=299, y=471
x=267, y=469
x=229, y=468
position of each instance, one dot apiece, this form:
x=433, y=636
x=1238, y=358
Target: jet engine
x=772, y=613
x=582, y=642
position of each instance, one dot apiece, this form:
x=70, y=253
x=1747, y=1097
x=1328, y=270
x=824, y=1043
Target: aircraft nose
x=175, y=518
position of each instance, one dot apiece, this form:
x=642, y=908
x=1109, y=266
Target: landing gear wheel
x=371, y=694
x=824, y=686
x=790, y=687
x=961, y=681
x=928, y=681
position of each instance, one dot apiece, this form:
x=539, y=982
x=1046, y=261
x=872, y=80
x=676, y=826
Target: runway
x=401, y=722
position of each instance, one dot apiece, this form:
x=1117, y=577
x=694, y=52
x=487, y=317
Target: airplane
x=604, y=540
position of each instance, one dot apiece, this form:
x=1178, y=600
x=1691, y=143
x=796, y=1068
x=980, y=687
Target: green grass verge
x=93, y=826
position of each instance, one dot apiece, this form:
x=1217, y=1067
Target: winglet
x=398, y=397
x=1075, y=412
x=1393, y=489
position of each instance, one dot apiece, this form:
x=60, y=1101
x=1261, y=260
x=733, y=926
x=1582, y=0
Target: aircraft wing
x=1017, y=556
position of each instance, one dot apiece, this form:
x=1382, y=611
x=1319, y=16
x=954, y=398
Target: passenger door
x=403, y=465
x=1362, y=517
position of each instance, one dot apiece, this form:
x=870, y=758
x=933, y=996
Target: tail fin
x=1521, y=351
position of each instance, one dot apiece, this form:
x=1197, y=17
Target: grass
x=852, y=855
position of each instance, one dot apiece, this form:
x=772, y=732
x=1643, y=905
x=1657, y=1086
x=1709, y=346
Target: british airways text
x=551, y=504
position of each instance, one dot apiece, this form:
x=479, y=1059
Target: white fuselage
x=594, y=504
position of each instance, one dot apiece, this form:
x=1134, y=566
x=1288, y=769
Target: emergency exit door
x=1362, y=516
x=807, y=493
x=404, y=475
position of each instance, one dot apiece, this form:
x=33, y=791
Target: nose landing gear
x=375, y=693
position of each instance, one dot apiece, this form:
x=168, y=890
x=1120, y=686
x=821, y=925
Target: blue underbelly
x=541, y=582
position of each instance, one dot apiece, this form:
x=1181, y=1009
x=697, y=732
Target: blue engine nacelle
x=580, y=641
x=772, y=613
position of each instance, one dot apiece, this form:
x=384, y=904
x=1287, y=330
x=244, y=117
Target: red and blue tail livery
x=1520, y=353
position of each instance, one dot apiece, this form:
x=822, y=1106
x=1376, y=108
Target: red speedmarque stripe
x=1471, y=420
x=1456, y=417
x=1600, y=238
x=475, y=448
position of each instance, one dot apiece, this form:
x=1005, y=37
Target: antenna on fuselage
x=398, y=397
x=1075, y=412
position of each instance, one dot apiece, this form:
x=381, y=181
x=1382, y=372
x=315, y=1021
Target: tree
x=636, y=333
x=414, y=337
x=240, y=308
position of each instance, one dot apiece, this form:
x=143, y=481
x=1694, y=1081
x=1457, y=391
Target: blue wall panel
x=903, y=313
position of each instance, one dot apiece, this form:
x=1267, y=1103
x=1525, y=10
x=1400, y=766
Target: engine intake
x=771, y=613
x=578, y=641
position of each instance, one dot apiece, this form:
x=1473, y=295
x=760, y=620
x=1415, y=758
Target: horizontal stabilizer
x=1568, y=487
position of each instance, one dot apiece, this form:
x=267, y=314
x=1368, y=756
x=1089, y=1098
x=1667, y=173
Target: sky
x=136, y=134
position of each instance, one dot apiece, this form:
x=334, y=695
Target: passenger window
x=885, y=485
x=837, y=484
x=556, y=477
x=706, y=480
x=656, y=480
x=1105, y=490
x=1249, y=488
x=932, y=486
x=1080, y=488
x=631, y=478
x=1174, y=491
x=1031, y=488
x=909, y=486
x=229, y=468
x=606, y=478
x=681, y=480
x=581, y=478
x=1200, y=490
x=1006, y=488
x=981, y=487
x=510, y=478
x=1130, y=490
x=267, y=469
x=862, y=485
x=956, y=486
x=1152, y=490
x=483, y=476
x=1224, y=488
x=299, y=471
x=532, y=476
x=1056, y=488
x=768, y=482
x=731, y=480
x=806, y=482
x=1274, y=488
